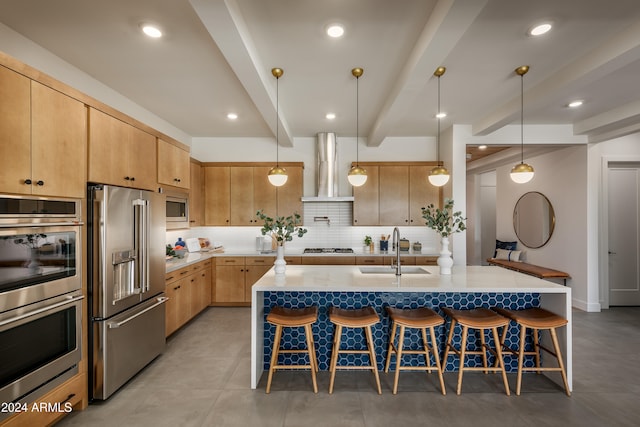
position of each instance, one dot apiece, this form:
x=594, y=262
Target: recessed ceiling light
x=335, y=30
x=151, y=31
x=232, y=116
x=482, y=147
x=540, y=29
x=575, y=104
x=441, y=115
x=330, y=116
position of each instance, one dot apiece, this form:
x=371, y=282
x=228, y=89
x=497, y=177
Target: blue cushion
x=509, y=246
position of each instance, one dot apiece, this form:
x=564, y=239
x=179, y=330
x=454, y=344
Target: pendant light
x=357, y=175
x=277, y=175
x=522, y=172
x=439, y=175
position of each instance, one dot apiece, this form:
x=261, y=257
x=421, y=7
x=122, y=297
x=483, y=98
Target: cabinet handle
x=126, y=178
x=406, y=220
x=133, y=178
x=28, y=181
x=40, y=183
x=169, y=278
x=176, y=179
x=369, y=261
x=259, y=260
x=176, y=288
x=183, y=272
x=69, y=397
x=355, y=220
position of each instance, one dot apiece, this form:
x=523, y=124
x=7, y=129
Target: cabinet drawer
x=426, y=260
x=293, y=260
x=329, y=260
x=369, y=260
x=177, y=274
x=260, y=260
x=230, y=260
x=404, y=260
x=73, y=391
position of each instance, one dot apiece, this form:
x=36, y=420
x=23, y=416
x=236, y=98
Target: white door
x=624, y=190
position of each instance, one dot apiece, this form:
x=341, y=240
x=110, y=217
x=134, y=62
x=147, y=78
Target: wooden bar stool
x=536, y=319
x=481, y=319
x=418, y=318
x=293, y=318
x=353, y=318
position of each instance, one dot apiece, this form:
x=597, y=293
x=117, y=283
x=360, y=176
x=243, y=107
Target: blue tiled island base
x=354, y=338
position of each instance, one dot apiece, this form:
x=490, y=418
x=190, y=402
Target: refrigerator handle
x=159, y=301
x=142, y=242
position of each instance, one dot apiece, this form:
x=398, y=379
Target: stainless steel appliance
x=40, y=295
x=328, y=251
x=126, y=232
x=177, y=210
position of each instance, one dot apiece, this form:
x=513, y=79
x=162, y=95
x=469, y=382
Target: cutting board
x=193, y=244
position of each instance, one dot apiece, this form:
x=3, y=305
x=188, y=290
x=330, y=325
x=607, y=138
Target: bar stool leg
x=483, y=347
x=536, y=346
x=398, y=359
x=334, y=356
x=372, y=354
x=274, y=356
x=523, y=333
x=425, y=343
x=463, y=347
x=496, y=338
x=390, y=350
x=311, y=350
x=556, y=347
x=434, y=350
x=448, y=345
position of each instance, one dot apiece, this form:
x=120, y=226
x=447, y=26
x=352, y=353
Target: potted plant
x=281, y=229
x=444, y=222
x=368, y=243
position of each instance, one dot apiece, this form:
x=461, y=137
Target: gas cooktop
x=328, y=251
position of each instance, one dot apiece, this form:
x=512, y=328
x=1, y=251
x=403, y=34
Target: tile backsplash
x=329, y=225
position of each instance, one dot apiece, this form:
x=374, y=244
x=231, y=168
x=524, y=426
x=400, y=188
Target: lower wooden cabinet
x=70, y=394
x=189, y=292
x=236, y=275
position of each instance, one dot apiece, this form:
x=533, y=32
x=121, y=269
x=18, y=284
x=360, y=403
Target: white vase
x=280, y=264
x=444, y=260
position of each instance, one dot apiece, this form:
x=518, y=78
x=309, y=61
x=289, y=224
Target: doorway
x=623, y=198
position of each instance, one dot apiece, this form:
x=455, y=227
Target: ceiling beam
x=618, y=52
x=447, y=23
x=228, y=29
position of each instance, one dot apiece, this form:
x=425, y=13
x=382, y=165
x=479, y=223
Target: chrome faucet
x=396, y=245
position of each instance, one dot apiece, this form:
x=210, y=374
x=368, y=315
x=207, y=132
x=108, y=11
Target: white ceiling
x=216, y=57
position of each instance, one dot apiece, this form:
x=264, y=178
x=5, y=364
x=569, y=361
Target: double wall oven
x=40, y=295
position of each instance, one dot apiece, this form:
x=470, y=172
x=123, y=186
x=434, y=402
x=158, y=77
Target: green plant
x=282, y=229
x=444, y=221
x=368, y=240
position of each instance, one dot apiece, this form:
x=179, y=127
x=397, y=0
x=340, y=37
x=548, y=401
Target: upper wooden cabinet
x=196, y=195
x=394, y=194
x=120, y=154
x=235, y=192
x=173, y=165
x=43, y=136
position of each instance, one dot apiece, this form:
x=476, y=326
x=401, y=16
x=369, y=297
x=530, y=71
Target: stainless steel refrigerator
x=126, y=239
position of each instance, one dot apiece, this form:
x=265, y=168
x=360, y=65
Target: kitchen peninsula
x=355, y=286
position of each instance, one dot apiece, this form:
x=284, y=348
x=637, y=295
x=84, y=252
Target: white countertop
x=349, y=278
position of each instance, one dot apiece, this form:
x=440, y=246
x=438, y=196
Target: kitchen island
x=349, y=287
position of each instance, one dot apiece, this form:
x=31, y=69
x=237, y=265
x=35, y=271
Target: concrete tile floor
x=203, y=380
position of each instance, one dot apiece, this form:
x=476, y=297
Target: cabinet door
x=196, y=196
x=230, y=283
x=241, y=197
x=264, y=194
x=366, y=200
x=183, y=297
x=142, y=159
x=289, y=196
x=421, y=193
x=217, y=193
x=15, y=132
x=253, y=274
x=108, y=145
x=200, y=291
x=394, y=195
x=171, y=307
x=58, y=143
x=173, y=165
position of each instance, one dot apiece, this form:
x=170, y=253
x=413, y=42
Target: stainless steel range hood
x=327, y=170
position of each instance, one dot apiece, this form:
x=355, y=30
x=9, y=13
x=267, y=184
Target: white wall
x=32, y=54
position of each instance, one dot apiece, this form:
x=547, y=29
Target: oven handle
x=160, y=301
x=69, y=300
x=42, y=224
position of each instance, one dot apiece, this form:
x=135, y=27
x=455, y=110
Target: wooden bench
x=533, y=270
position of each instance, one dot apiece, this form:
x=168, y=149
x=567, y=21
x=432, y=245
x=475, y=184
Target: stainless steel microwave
x=177, y=211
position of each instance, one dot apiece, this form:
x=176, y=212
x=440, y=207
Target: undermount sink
x=388, y=270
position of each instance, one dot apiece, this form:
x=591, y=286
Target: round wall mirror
x=533, y=219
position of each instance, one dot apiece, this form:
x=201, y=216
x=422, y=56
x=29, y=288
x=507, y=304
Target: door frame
x=603, y=247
